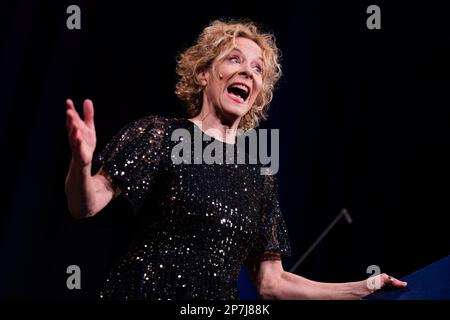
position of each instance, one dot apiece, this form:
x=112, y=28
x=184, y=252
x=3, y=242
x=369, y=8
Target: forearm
x=292, y=286
x=83, y=192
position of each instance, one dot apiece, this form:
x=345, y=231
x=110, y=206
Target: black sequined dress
x=198, y=223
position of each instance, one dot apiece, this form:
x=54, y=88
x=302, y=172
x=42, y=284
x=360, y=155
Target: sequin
x=197, y=223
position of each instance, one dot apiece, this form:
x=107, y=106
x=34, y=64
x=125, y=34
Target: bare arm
x=275, y=283
x=86, y=194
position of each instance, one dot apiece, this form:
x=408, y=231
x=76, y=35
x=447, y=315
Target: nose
x=246, y=72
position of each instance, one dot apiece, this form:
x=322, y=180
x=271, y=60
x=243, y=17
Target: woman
x=198, y=222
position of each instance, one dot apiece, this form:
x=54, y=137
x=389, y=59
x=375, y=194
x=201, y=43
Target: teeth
x=240, y=86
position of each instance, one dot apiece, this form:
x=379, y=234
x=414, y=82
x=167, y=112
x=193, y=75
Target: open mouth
x=239, y=92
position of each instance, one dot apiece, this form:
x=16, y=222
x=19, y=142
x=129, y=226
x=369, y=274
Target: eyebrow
x=239, y=50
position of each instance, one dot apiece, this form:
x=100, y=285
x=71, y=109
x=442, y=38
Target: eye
x=234, y=59
x=258, y=69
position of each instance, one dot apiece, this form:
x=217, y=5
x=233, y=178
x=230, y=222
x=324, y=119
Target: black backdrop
x=363, y=118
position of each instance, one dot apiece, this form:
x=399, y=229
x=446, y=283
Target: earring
x=220, y=76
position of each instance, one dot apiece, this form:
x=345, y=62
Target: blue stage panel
x=429, y=283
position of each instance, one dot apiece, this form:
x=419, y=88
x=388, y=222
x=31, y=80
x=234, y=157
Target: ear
x=203, y=77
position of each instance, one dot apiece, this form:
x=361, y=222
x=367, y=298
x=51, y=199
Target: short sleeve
x=273, y=236
x=134, y=156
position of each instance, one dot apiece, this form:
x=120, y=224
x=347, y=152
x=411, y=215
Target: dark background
x=363, y=118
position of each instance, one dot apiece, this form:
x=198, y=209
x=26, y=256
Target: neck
x=216, y=126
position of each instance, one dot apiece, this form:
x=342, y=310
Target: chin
x=235, y=111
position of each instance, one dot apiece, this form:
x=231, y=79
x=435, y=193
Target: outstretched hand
x=82, y=136
x=381, y=281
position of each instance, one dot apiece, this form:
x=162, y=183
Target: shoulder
x=154, y=125
x=159, y=122
x=149, y=122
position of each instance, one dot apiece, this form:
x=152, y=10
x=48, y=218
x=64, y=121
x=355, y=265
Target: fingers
x=74, y=138
x=73, y=124
x=72, y=117
x=399, y=283
x=391, y=281
x=81, y=133
x=72, y=121
x=69, y=104
x=88, y=110
x=69, y=107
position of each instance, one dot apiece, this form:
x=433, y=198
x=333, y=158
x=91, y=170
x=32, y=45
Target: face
x=234, y=82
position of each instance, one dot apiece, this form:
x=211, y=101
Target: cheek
x=257, y=90
x=226, y=70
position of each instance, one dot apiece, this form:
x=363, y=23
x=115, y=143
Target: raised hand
x=82, y=136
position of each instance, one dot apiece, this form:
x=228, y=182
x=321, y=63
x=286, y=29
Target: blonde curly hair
x=214, y=43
